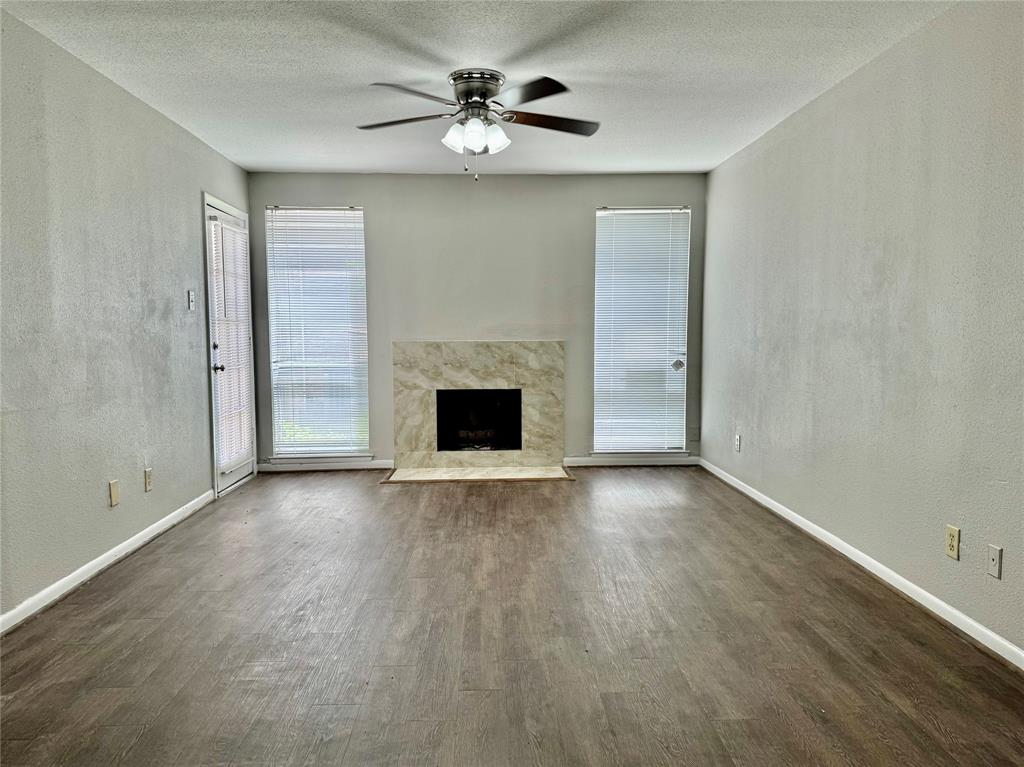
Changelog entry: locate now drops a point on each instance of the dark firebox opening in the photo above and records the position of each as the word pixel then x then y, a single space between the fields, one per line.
pixel 479 419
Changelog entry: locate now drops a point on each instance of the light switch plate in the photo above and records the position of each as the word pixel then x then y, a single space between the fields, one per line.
pixel 738 442
pixel 995 561
pixel 115 493
pixel 147 481
pixel 191 300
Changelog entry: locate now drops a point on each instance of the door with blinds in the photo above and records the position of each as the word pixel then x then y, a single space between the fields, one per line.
pixel 230 336
pixel 640 305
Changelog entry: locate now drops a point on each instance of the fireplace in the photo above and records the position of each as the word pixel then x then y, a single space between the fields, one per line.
pixel 479 419
pixel 430 377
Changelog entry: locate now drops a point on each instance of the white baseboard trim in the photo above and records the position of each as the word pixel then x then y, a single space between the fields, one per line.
pixel 981 634
pixel 324 465
pixel 632 459
pixel 55 591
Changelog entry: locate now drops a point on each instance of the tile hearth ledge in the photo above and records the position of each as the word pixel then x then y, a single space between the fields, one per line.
pixel 478 474
pixel 420 368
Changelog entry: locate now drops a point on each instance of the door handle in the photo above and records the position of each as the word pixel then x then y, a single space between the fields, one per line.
pixel 218 368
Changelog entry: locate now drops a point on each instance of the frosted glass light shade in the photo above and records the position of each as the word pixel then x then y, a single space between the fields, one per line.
pixel 454 138
pixel 496 138
pixel 475 136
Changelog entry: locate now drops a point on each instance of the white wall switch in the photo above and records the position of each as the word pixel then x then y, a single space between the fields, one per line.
pixel 115 493
pixel 995 561
pixel 191 300
pixel 738 442
pixel 952 542
pixel 147 481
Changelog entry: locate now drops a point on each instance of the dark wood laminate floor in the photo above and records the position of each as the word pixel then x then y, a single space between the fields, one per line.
pixel 634 617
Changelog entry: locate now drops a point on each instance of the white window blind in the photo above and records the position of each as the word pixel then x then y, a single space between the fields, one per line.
pixel 640 303
pixel 231 326
pixel 316 281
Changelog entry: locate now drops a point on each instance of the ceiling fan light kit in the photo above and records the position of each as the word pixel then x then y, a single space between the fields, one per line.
pixel 481 105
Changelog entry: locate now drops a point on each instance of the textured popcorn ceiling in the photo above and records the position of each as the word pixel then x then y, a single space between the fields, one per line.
pixel 677 86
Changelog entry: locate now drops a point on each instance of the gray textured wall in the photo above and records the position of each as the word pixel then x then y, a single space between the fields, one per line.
pixel 104 369
pixel 509 257
pixel 864 310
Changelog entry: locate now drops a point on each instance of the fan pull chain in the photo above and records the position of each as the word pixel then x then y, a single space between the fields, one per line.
pixel 476 164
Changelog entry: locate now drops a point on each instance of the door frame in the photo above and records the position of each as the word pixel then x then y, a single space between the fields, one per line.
pixel 209 201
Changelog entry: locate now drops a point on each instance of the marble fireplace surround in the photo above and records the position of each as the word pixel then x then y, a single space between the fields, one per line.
pixel 422 367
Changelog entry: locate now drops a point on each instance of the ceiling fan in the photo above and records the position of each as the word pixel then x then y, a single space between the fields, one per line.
pixel 480 105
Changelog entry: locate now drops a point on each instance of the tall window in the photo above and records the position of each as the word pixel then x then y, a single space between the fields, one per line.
pixel 316 281
pixel 642 266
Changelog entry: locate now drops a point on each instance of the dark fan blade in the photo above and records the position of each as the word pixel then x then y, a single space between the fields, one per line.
pixel 567 124
pixel 389 123
pixel 531 91
pixel 414 92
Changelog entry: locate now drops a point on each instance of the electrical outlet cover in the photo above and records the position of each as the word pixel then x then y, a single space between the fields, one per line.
pixel 952 542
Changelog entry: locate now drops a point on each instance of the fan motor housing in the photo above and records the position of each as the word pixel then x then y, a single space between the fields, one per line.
pixel 475 85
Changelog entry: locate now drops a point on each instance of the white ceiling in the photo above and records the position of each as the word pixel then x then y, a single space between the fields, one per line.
pixel 677 86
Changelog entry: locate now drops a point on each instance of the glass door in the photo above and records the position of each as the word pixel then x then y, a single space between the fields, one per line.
pixel 230 333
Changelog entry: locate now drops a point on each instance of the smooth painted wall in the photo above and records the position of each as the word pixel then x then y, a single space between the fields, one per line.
pixel 104 370
pixel 507 257
pixel 864 311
